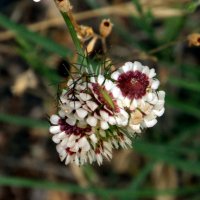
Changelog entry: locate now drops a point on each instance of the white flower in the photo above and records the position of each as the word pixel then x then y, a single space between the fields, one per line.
pixel 134 81
pixel 145 114
pixel 94 116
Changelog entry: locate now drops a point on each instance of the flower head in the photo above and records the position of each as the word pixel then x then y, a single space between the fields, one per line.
pixel 95 115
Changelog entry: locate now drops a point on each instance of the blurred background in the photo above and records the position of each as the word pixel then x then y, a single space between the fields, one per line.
pixel 164 163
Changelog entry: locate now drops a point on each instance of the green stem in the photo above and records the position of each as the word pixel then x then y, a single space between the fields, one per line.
pixel 73 33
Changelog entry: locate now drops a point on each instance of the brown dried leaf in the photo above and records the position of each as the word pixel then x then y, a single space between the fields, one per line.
pixel 23 82
pixel 164 177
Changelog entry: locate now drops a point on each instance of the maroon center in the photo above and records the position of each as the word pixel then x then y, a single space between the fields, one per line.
pixel 73 129
pixel 133 84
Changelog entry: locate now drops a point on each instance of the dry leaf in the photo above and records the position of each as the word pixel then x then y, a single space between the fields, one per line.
pixel 23 82
pixel 164 177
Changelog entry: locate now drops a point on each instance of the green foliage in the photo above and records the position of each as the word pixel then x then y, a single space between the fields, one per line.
pixel 102 192
pixel 23 32
pixel 192 5
pixel 22 121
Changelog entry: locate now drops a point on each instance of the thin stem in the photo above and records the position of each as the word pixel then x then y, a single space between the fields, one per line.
pixel 65 10
pixel 162 47
pixel 73 33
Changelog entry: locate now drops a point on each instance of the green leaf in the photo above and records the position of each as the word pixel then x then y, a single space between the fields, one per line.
pixel 23 121
pixel 185 134
pixel 173 26
pixel 138 6
pixel 183 106
pixel 186 84
pixel 168 155
pixel 23 32
pixel 139 179
pixel 193 5
pixel 118 192
pixel 30 54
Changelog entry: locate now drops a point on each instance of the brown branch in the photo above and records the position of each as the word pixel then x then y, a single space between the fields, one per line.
pixel 124 10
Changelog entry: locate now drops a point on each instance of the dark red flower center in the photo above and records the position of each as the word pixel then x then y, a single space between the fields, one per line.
pixel 73 129
pixel 133 84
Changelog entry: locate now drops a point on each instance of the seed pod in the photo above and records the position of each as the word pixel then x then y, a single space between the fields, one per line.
pixel 105 28
pixel 194 39
pixel 85 33
pixel 63 5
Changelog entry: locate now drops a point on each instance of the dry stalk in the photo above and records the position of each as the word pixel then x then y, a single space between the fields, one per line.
pixel 124 10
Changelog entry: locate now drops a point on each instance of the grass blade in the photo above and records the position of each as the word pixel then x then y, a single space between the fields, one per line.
pixel 70 188
pixel 22 121
pixel 182 106
pixel 23 32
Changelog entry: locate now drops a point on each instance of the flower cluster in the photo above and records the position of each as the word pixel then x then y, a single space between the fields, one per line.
pixel 100 113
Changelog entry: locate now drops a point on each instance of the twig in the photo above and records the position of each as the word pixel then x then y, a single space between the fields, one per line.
pixel 165 46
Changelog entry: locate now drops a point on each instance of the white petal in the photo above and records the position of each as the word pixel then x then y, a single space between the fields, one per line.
pixel 112 120
pixel 107 145
pixel 150 96
pixel 92 105
pixel 75 104
pixel 93 138
pixel 62 155
pixel 91 158
pixel 137 66
pixel 81 113
pixel 116 92
pixel 75 148
pixel 77 160
pixel 61 113
pixel 59 148
pixel 100 79
pixel 130 65
pixel 71 141
pixel 134 104
pixel 92 80
pixel 68 160
pixel 99 159
pixel 64 142
pixel 108 85
pixel 85 97
pixel 159 112
pixel 56 139
pixel 126 102
pixel 161 95
pixel 104 115
pixel 146 70
pixel 54 129
pixel 84 144
pixel 54 119
pixel 81 86
pixel 135 127
pixel 71 121
pixel 115 75
pixel 104 125
pixel 155 84
pixel 82 123
pixel 152 73
pixel 92 121
pixel 70 82
pixel 150 123
pixel 61 135
pixel 126 67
